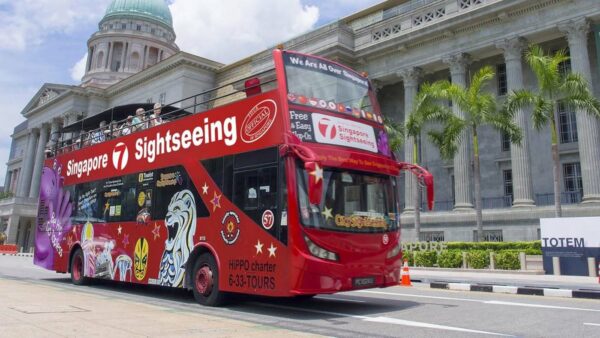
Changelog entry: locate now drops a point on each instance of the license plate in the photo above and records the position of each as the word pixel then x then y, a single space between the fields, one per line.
pixel 363 282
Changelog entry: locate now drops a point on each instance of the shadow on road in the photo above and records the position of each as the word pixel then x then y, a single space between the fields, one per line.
pixel 322 307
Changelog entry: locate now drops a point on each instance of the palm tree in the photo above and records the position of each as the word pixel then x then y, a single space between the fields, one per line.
pixel 425 108
pixel 553 87
pixel 479 109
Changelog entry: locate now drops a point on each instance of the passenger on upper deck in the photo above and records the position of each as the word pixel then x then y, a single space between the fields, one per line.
pixel 155 118
pixel 139 121
pixel 126 127
pixel 98 134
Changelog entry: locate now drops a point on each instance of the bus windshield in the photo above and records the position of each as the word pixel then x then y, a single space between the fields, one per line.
pixel 326 85
pixel 352 202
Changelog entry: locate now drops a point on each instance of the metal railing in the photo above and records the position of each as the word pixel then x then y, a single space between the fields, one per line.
pixel 196 103
pixel 567 197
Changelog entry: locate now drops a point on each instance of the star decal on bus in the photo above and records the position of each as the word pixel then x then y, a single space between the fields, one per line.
pixel 259 247
pixel 216 201
pixel 317 173
pixel 327 213
pixel 204 189
pixel 156 231
pixel 272 250
pixel 119 229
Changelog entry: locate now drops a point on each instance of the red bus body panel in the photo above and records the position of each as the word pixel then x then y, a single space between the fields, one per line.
pixel 254 261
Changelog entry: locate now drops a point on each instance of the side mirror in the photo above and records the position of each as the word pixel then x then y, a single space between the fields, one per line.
pixel 424 177
pixel 315 182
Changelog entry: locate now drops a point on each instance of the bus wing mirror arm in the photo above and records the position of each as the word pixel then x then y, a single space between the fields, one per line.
pixel 312 167
pixel 423 176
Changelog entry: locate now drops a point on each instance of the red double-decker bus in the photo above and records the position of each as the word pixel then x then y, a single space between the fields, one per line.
pixel 289 191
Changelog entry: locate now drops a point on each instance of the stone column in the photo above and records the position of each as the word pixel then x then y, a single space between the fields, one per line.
pixel 29 159
pixel 40 156
pixel 54 129
pixel 463 190
pixel 14 180
pixel 111 47
pixel 588 127
pixel 519 154
pixel 12 228
pixel 411 85
pixel 7 180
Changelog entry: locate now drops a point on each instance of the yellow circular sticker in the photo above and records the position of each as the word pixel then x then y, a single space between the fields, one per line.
pixel 140 258
pixel 141 199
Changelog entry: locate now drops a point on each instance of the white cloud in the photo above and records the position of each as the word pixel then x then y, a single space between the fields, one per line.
pixel 28 22
pixel 227 30
pixel 78 70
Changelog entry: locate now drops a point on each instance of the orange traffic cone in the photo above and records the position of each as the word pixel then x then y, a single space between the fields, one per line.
pixel 405 281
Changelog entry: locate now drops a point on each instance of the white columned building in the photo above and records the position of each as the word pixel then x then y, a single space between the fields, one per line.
pixel 133 59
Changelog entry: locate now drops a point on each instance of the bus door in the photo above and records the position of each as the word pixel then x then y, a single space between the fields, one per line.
pixel 257 190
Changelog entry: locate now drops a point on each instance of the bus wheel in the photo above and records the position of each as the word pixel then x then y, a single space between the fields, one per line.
pixel 77 275
pixel 206 281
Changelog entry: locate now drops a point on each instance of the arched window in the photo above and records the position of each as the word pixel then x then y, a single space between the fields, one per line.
pixel 99 59
pixel 134 61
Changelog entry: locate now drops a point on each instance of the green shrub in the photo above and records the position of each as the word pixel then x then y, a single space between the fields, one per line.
pixel 535 247
pixel 408 255
pixel 450 259
pixel 478 259
pixel 425 258
pixel 508 260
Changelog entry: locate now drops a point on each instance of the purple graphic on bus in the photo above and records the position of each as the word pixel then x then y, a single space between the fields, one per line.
pixel 54 212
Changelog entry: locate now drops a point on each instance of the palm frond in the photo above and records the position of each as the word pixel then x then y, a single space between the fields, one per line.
pixel 542 113
pixel 478 80
pixel 396 133
pixel 545 68
pixel 449 137
pixel 517 100
pixel 505 124
pixel 587 103
pixel 574 84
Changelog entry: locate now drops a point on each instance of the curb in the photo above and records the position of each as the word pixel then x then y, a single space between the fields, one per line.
pixel 517 290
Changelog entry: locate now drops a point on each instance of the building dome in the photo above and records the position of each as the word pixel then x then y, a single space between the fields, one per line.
pixel 153 10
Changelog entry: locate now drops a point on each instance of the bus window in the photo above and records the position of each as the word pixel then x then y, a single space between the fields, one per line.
pixel 88 208
pixel 111 199
pixel 170 185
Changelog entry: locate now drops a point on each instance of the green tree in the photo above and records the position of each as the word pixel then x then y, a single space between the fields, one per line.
pixel 479 109
pixel 426 107
pixel 553 88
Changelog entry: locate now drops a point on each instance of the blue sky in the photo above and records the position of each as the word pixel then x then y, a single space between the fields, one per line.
pixel 42 40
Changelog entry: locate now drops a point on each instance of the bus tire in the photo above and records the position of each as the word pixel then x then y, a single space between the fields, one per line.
pixel 205 281
pixel 77 265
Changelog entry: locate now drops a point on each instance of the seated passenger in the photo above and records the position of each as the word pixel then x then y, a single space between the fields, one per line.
pixel 98 134
pixel 126 127
pixel 139 120
pixel 155 118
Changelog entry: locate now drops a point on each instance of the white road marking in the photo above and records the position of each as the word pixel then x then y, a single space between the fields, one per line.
pixel 496 302
pixel 492 302
pixel 387 320
pixel 591 324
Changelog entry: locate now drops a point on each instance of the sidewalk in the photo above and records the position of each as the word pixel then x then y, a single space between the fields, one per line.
pixel 508 282
pixel 34 310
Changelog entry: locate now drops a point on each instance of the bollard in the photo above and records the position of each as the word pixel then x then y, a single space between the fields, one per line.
pixel 592 266
pixel 523 261
pixel 556 265
pixel 492 260
pixel 464 255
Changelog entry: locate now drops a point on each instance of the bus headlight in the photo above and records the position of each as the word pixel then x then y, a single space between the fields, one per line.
pixel 395 251
pixel 317 251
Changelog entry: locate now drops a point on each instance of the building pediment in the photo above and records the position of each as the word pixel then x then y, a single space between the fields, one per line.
pixel 48 93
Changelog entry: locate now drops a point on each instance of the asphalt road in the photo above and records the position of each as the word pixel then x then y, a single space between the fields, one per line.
pixel 391 312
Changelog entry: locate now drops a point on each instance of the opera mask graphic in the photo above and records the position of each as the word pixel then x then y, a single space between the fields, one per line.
pixel 140 258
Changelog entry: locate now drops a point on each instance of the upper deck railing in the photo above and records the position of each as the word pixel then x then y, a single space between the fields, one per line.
pixel 234 91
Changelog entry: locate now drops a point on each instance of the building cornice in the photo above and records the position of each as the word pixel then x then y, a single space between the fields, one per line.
pixel 171 63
